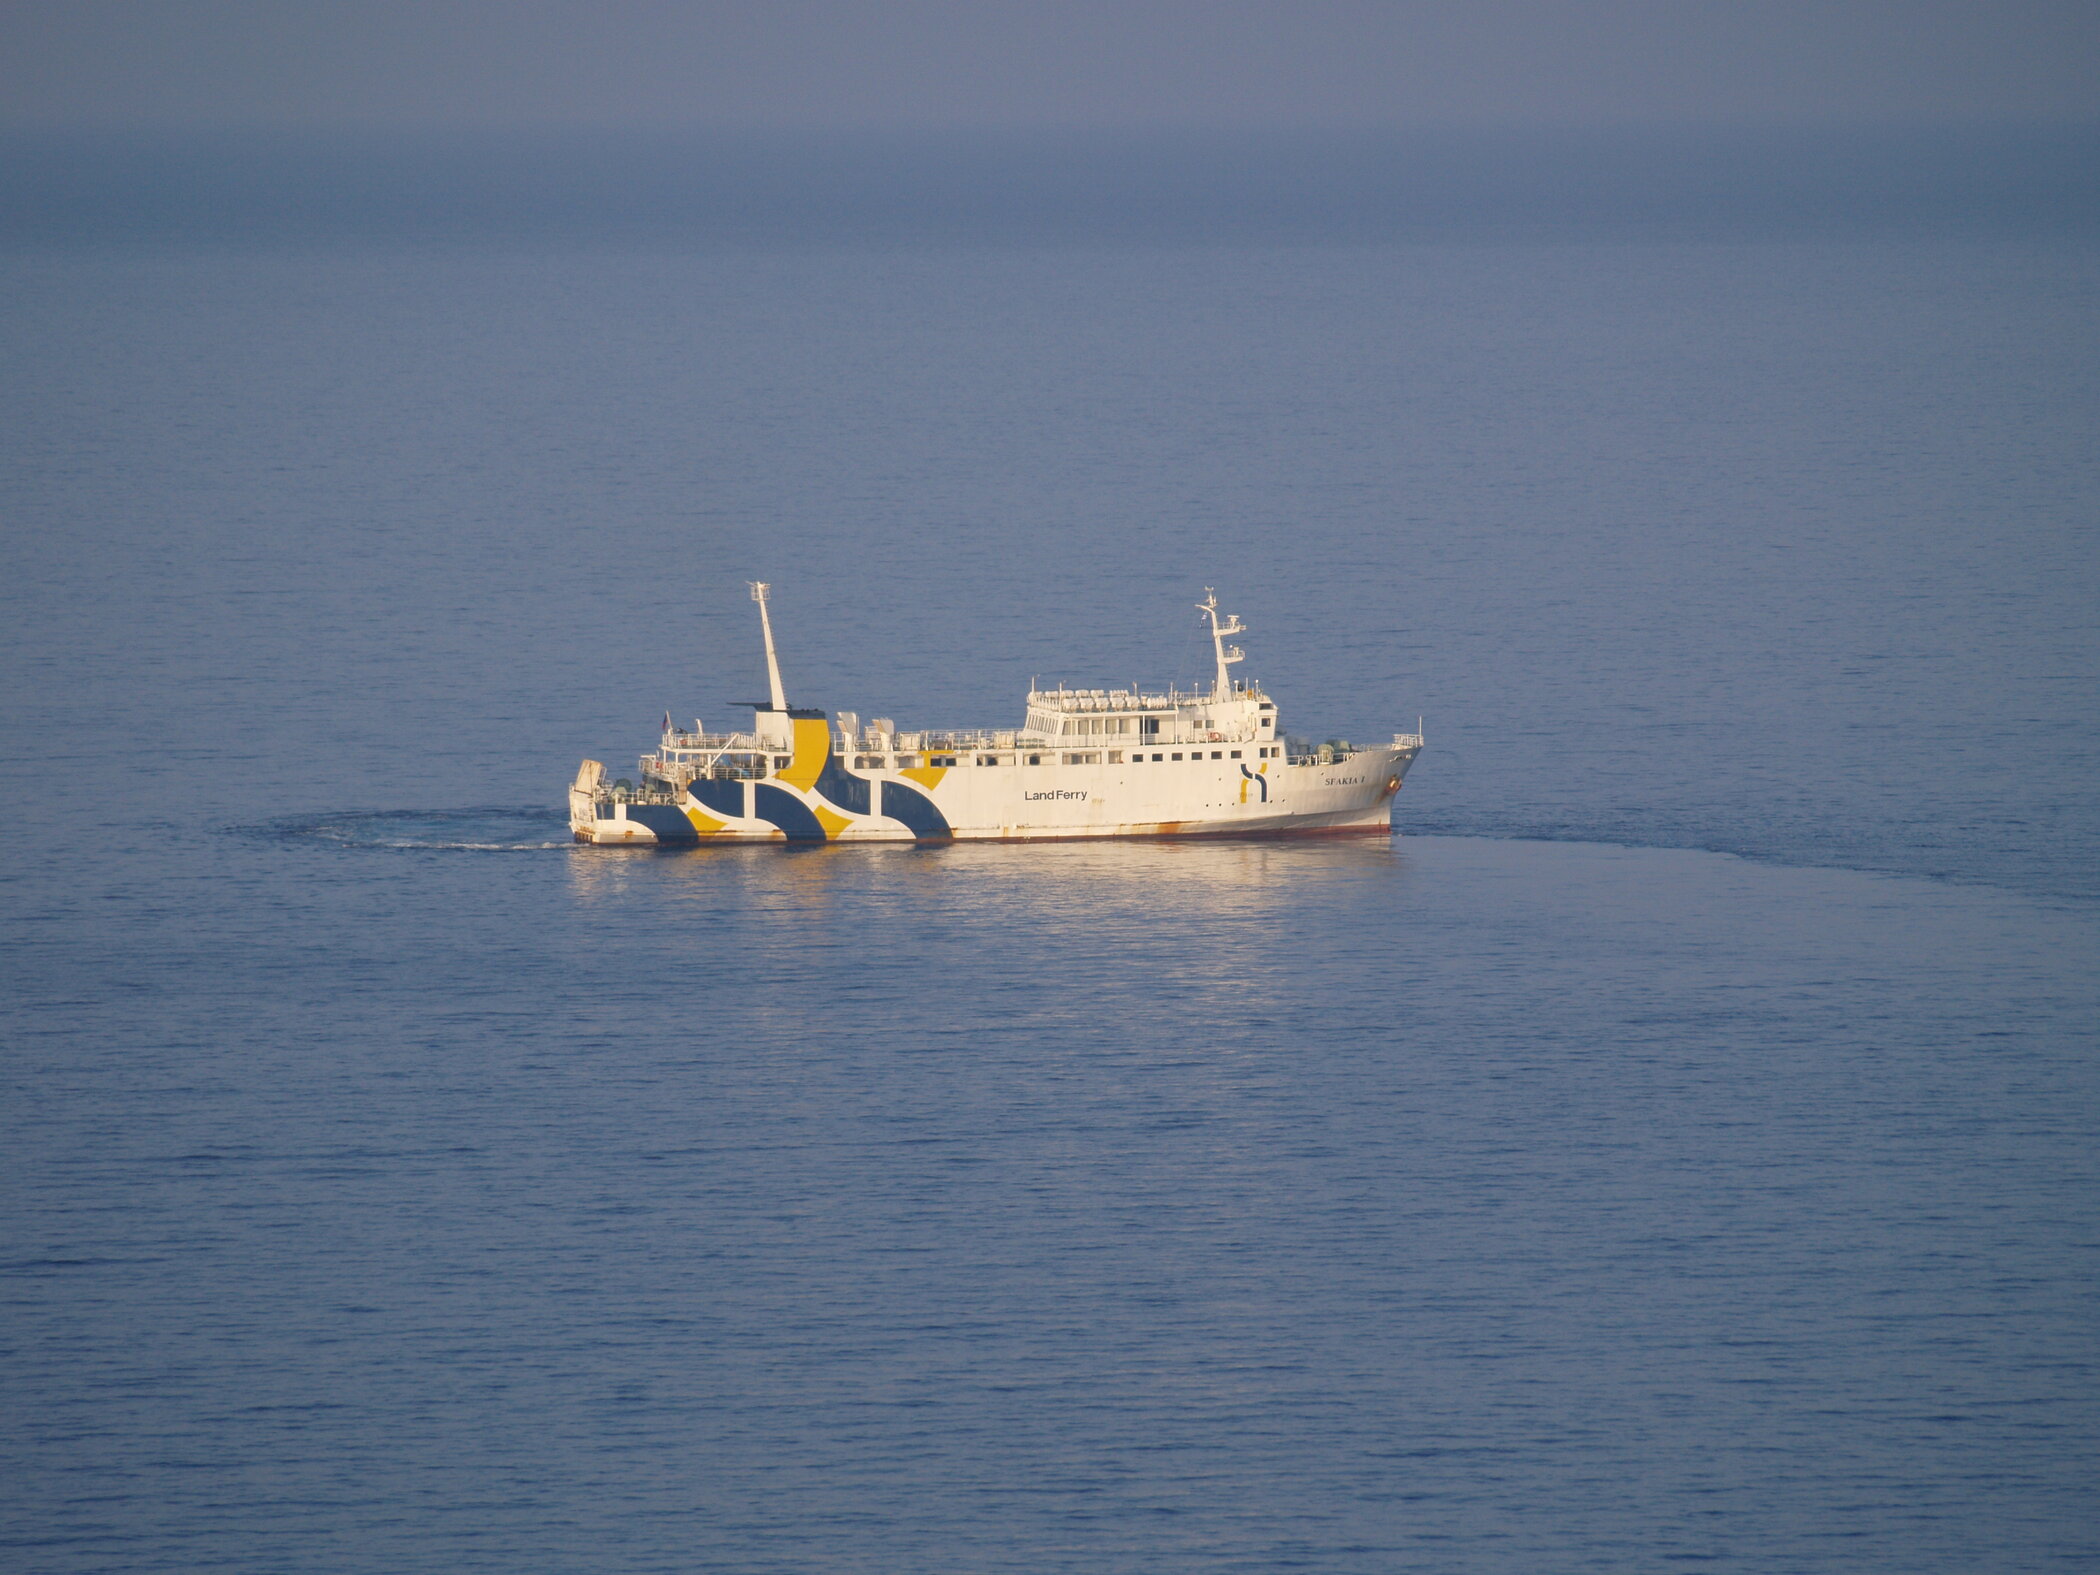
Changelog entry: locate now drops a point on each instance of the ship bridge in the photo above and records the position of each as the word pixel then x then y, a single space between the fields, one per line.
pixel 1111 717
pixel 1229 711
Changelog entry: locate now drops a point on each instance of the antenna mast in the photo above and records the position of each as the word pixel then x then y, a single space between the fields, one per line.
pixel 759 591
pixel 1227 654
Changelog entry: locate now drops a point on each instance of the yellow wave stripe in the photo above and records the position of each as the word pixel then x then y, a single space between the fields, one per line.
pixel 832 824
pixel 706 825
pixel 812 749
pixel 928 777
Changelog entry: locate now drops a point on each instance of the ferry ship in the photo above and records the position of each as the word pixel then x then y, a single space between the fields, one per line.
pixel 1084 763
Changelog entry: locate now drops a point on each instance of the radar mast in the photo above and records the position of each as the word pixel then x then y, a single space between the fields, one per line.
pixel 1227 654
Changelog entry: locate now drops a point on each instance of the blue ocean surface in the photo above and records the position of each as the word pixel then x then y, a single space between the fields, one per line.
pixel 1675 1149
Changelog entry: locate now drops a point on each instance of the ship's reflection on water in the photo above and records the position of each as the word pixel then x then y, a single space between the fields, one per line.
pixel 1123 939
pixel 1228 892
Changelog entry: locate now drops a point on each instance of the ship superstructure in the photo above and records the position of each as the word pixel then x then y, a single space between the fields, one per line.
pixel 1084 763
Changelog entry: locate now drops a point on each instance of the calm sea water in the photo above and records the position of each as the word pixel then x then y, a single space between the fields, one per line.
pixel 1678 1149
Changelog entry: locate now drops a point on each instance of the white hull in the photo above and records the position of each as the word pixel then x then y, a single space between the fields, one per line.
pixel 1016 803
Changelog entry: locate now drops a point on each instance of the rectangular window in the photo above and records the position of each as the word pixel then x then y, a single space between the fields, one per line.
pixel 1115 757
pixel 1235 754
pixel 1035 760
pixel 1155 757
pixel 1177 757
pixel 1083 760
pixel 1217 754
pixel 782 762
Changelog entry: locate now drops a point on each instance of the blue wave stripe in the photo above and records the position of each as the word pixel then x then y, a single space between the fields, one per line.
pixel 901 801
pixel 786 811
pixel 723 798
pixel 669 824
pixel 844 789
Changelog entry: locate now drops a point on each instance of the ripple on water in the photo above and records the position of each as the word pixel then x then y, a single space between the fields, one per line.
pixel 484 830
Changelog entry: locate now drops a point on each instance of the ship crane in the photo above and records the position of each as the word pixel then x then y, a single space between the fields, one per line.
pixel 772 723
pixel 760 591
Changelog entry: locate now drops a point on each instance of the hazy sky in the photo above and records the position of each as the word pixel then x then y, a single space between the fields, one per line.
pixel 900 64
